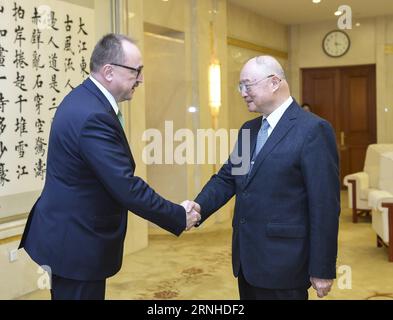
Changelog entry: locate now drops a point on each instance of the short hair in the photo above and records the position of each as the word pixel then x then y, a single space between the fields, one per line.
pixel 271 65
pixel 108 50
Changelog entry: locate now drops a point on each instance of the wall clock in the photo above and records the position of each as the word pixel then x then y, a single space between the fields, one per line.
pixel 336 43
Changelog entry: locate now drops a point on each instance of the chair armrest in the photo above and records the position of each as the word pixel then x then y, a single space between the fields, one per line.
pixel 361 178
pixel 377 197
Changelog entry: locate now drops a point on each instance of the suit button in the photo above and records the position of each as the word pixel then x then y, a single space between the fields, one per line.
pixel 242 221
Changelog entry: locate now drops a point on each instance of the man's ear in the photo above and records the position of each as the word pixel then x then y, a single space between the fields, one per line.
pixel 107 72
pixel 275 83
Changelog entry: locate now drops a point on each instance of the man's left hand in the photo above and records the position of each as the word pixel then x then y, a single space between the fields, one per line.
pixel 321 286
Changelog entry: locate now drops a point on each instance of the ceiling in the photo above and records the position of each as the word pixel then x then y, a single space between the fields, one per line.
pixel 305 11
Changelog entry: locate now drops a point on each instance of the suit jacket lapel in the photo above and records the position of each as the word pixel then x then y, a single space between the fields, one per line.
pixel 97 92
pixel 283 126
pixel 254 128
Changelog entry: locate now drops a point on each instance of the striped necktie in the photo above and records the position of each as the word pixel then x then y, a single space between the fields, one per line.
pixel 261 139
pixel 121 119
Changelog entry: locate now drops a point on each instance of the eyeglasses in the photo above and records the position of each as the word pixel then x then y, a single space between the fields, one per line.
pixel 247 86
pixel 137 70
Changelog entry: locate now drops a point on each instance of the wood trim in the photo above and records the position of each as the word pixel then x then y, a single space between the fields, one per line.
pixel 389 206
pixel 10 239
pixel 252 46
pixel 354 208
pixel 389 49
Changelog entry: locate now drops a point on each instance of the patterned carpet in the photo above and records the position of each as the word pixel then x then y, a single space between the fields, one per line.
pixel 198 266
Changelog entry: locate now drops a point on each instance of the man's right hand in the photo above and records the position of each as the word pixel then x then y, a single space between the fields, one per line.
pixel 192 213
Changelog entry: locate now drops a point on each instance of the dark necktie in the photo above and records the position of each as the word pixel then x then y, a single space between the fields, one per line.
pixel 121 119
pixel 261 140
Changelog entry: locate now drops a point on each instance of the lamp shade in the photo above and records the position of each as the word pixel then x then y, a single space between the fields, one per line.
pixel 215 87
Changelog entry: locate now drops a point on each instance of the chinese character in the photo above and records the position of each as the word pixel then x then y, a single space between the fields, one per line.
pixel 21 171
pixel 53 83
pixel 20 148
pixel 3 78
pixel 40 169
pixel 37 99
pixel 53 21
pixel 69 84
pixel 69 64
pixel 3 149
pixel 54 44
pixel 54 104
pixel 39 124
pixel 3 33
pixel 19 36
pixel 21 126
pixel 18 12
pixel 36 37
pixel 2 125
pixel 38 82
pixel 36 61
pixel 3 102
pixel 83 66
pixel 53 61
pixel 36 17
pixel 3 174
pixel 81 24
pixel 67 45
pixel 20 59
pixel 1 9
pixel 68 23
pixel 20 81
pixel 2 56
pixel 82 46
pixel 20 101
pixel 39 146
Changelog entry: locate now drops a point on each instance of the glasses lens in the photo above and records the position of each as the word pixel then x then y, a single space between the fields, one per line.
pixel 139 71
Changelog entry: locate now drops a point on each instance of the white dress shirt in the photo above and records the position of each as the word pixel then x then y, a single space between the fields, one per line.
pixel 276 115
pixel 107 94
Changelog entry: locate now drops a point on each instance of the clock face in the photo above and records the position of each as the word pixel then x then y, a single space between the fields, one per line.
pixel 336 43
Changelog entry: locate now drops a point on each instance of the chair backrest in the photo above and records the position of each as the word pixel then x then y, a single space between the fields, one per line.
pixel 386 172
pixel 372 162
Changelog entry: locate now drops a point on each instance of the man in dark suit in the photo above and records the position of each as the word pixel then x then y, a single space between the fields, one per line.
pixel 78 225
pixel 286 218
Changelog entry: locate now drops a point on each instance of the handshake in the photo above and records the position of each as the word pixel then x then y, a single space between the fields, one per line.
pixel 193 215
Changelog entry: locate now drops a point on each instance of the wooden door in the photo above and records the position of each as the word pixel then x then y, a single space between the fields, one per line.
pixel 345 96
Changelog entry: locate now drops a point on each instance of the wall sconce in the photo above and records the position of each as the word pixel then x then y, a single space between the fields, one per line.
pixel 215 88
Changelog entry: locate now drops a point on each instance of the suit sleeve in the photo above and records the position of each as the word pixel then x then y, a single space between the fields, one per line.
pixel 103 149
pixel 320 169
pixel 219 189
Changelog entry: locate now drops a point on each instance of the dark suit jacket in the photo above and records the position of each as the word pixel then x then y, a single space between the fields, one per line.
pixel 285 223
pixel 77 226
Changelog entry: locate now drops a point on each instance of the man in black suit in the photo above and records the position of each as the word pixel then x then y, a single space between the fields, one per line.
pixel 78 225
pixel 286 218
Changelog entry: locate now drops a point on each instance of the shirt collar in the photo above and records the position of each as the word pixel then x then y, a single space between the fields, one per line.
pixel 276 115
pixel 106 93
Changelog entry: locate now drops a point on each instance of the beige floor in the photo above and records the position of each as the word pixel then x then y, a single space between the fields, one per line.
pixel 198 266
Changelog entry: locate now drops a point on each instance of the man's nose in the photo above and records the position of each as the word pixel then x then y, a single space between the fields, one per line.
pixel 244 93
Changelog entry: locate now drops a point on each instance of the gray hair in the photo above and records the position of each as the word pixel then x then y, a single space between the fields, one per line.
pixel 108 50
pixel 271 65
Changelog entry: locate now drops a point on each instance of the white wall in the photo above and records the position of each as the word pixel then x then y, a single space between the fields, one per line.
pixel 367 47
pixel 247 26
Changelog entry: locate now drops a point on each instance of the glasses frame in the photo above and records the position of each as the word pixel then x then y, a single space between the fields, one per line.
pixel 137 70
pixel 247 86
